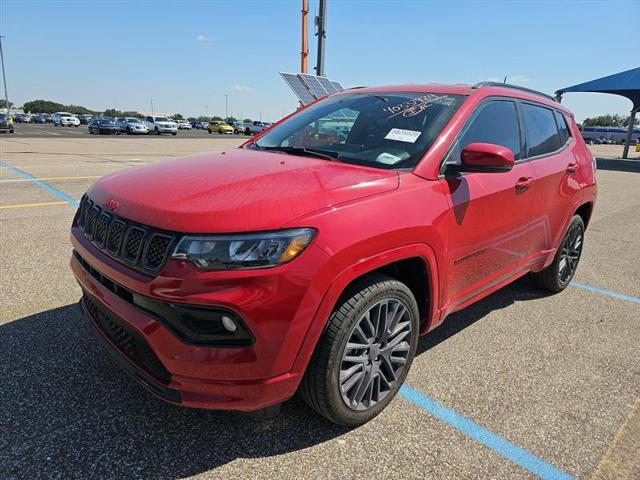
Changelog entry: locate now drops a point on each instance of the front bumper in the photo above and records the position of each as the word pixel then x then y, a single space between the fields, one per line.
pixel 277 305
pixel 108 131
pixel 166 129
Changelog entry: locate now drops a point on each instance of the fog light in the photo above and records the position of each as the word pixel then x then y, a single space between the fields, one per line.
pixel 229 324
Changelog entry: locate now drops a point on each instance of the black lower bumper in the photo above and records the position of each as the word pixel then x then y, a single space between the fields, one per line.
pixel 125 364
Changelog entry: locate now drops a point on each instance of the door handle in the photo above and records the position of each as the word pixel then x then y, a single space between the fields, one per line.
pixel 572 168
pixel 523 184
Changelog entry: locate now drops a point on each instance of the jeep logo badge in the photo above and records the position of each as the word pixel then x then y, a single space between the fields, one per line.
pixel 112 204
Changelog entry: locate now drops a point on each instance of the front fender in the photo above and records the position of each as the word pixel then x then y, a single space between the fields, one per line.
pixel 348 275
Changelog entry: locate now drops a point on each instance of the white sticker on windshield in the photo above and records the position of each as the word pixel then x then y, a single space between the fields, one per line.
pixel 407 136
pixel 387 158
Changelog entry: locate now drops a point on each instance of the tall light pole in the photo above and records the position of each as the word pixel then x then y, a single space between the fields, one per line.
pixel 321 25
pixel 151 107
pixel 4 78
pixel 305 49
pixel 226 107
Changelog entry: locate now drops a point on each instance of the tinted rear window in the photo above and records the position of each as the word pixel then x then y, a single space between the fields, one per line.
pixel 563 128
pixel 540 128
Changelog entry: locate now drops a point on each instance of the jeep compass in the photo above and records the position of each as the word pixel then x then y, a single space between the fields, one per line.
pixel 312 257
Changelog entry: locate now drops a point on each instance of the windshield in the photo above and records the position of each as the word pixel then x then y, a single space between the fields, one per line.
pixel 384 130
pixel 133 120
pixel 162 119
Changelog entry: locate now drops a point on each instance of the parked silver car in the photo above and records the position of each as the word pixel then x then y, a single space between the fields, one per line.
pixel 133 126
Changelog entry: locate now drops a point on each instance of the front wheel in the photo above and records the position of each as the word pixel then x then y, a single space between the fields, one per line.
pixel 557 276
pixel 365 353
pixel 157 132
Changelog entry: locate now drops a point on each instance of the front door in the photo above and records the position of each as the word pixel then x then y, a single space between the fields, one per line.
pixel 489 212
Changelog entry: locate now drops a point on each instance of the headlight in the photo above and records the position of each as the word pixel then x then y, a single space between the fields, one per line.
pixel 253 250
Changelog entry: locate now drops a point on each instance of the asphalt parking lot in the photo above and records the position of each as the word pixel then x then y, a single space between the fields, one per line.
pixel 519 385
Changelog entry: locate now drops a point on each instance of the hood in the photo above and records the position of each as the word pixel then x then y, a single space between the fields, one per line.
pixel 236 191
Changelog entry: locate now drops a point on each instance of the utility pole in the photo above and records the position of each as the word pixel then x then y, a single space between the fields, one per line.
pixel 304 53
pixel 4 78
pixel 321 25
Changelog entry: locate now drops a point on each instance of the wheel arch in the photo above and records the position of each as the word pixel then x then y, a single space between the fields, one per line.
pixel 409 264
pixel 585 210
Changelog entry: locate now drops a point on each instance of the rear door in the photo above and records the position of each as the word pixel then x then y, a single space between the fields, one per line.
pixel 550 153
pixel 489 212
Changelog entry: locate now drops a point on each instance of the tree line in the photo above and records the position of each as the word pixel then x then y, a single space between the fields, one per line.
pixel 610 120
pixel 47 106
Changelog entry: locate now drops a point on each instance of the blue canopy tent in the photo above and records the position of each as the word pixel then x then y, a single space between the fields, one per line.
pixel 626 84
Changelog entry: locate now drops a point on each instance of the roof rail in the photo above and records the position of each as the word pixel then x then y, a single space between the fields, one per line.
pixel 516 87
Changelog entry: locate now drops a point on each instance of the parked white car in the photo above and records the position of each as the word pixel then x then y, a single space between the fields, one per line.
pixel 159 125
pixel 183 125
pixel 65 119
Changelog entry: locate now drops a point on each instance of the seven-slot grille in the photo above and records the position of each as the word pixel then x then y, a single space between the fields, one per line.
pixel 138 246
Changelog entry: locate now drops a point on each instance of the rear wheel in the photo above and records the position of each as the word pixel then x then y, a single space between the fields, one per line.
pixel 558 275
pixel 365 353
pixel 157 132
pixel 247 132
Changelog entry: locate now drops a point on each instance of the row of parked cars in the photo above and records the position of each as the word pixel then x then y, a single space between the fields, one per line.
pixel 159 125
pixel 150 124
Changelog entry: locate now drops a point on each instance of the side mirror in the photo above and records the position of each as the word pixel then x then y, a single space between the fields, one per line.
pixel 487 158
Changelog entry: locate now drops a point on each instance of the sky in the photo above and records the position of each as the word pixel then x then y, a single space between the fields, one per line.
pixel 188 55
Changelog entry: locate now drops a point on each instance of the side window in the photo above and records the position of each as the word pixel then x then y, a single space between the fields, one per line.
pixel 496 122
pixel 563 128
pixel 540 129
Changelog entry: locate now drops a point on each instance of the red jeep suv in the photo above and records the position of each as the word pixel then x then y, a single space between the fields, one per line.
pixel 311 258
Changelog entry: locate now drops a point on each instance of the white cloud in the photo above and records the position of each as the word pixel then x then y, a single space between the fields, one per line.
pixel 518 79
pixel 204 40
pixel 240 88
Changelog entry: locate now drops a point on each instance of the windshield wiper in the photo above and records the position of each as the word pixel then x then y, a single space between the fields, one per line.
pixel 303 151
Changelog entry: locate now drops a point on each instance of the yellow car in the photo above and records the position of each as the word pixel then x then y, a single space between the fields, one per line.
pixel 220 127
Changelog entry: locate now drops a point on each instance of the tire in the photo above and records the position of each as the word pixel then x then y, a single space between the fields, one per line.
pixel 209 130
pixel 156 131
pixel 174 133
pixel 321 387
pixel 557 276
pixel 247 132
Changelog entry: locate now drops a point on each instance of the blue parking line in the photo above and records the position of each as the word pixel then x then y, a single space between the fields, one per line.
pixel 493 441
pixel 53 191
pixel 608 293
